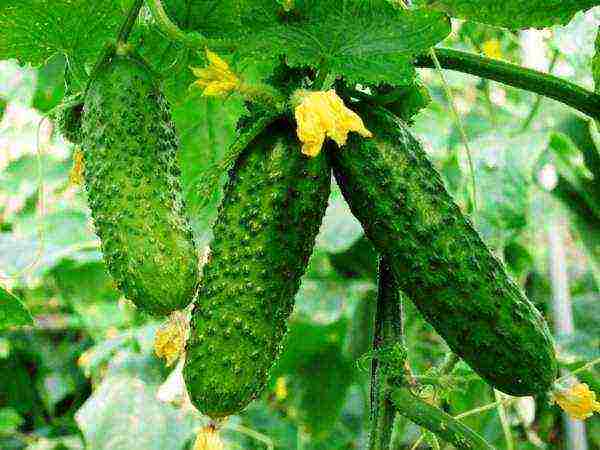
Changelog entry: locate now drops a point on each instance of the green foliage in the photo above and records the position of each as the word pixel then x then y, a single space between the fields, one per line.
pixel 40 29
pixel 91 351
pixel 212 18
pixel 578 188
pixel 368 42
pixel 318 374
pixel 515 14
pixel 50 86
pixel 117 416
pixel 12 311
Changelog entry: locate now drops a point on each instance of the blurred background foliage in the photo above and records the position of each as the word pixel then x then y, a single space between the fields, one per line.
pixel 85 376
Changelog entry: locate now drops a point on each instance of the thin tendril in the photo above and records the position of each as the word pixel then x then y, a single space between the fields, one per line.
pixel 459 123
pixel 41 210
pixel 253 434
pixel 461 128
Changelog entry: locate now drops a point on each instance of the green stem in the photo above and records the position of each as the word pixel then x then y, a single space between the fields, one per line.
pixel 437 421
pixel 170 29
pixel 538 101
pixel 127 26
pixel 520 77
pixel 193 39
pixel 388 332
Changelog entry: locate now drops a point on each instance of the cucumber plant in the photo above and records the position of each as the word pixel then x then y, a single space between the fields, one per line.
pixel 275 197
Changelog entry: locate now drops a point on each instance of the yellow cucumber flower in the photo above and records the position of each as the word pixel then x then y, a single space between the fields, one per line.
pixel 208 439
pixel 76 173
pixel 171 337
pixel 492 48
pixel 578 401
pixel 323 114
pixel 217 79
pixel 281 391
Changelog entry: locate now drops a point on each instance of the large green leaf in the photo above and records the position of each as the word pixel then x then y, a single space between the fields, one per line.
pixel 34 30
pixel 365 41
pixel 124 414
pixel 515 14
pixel 12 311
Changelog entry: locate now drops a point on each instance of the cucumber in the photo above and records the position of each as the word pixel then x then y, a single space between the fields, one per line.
pixel 69 123
pixel 264 234
pixel 132 180
pixel 439 260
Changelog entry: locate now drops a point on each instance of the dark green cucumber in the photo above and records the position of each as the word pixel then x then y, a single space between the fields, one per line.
pixel 265 231
pixel 132 179
pixel 439 259
pixel 69 123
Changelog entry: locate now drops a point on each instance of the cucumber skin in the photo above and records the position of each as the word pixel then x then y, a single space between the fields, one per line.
pixel 132 180
pixel 439 259
pixel 264 234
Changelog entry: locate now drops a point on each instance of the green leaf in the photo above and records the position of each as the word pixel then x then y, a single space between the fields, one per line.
pixel 10 420
pixel 13 312
pixel 515 14
pixel 50 86
pixel 319 374
pixel 124 414
pixel 35 30
pixel 340 229
pixel 364 41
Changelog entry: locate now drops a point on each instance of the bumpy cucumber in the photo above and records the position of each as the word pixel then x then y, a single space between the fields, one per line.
pixel 440 260
pixel 132 179
pixel 265 231
pixel 69 123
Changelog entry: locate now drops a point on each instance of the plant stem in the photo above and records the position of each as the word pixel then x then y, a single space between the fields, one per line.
pixel 193 39
pixel 538 101
pixel 127 26
pixel 168 27
pixel 520 77
pixel 388 332
pixel 437 421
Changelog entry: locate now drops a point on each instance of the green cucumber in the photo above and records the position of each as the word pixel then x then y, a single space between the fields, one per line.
pixel 264 234
pixel 132 180
pixel 69 122
pixel 438 258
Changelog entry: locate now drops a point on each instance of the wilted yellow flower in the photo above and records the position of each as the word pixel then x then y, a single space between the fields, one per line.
pixel 281 391
pixel 323 114
pixel 217 79
pixel 76 174
pixel 170 339
pixel 578 401
pixel 84 359
pixel 492 48
pixel 208 439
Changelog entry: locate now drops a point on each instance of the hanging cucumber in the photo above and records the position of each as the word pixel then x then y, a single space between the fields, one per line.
pixel 265 231
pixel 132 179
pixel 440 260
